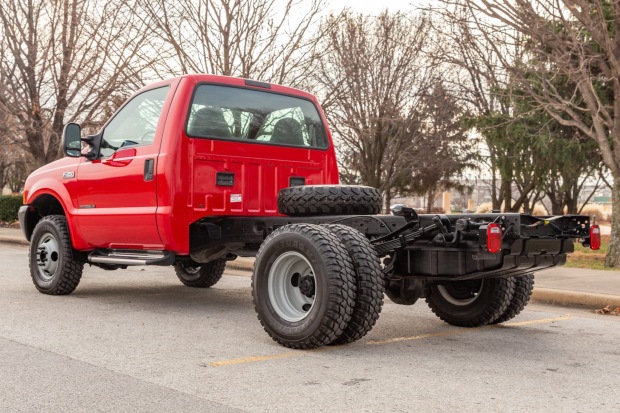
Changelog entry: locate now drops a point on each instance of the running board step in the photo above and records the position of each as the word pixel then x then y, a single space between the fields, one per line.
pixel 131 257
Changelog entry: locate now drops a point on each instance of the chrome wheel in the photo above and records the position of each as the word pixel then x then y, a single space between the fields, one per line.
pixel 461 293
pixel 48 256
pixel 292 286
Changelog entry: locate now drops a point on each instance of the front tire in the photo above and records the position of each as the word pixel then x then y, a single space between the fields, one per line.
pixel 193 274
pixel 471 303
pixel 54 267
pixel 303 286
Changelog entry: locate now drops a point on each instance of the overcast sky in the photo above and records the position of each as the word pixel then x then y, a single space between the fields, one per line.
pixel 375 6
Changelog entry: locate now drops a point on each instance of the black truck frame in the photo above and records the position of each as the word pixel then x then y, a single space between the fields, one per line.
pixel 425 247
pixel 472 269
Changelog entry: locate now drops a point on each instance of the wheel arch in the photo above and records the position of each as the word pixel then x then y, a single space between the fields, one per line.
pixel 44 202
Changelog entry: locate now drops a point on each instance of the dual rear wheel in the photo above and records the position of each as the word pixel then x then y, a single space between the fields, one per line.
pixel 317 285
pixel 475 303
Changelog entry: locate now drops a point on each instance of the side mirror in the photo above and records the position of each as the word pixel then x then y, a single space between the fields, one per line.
pixel 72 140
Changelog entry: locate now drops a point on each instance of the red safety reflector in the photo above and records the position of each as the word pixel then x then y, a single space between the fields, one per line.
pixel 494 238
pixel 595 237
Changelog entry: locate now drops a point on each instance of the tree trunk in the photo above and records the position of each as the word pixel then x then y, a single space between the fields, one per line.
pixel 495 202
pixel 430 201
pixel 507 191
pixel 613 255
pixel 556 205
pixel 388 201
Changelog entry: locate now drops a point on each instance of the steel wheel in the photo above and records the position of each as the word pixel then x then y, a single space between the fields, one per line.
pixel 303 286
pixel 54 267
pixel 194 274
pixel 292 286
pixel 47 256
pixel 471 303
pixel 191 272
pixel 461 293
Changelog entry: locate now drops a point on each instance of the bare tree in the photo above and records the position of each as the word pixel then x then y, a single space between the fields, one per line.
pixel 372 78
pixel 62 60
pixel 9 154
pixel 483 85
pixel 269 40
pixel 442 150
pixel 578 40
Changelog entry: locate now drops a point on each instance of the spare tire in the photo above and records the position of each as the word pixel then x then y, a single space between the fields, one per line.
pixel 329 200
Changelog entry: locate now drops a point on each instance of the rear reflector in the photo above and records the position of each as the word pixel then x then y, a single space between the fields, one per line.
pixel 494 238
pixel 595 237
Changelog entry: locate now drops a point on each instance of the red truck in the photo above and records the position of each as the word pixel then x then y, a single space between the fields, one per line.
pixel 199 170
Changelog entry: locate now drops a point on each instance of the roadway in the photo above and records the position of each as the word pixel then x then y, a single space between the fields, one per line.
pixel 137 340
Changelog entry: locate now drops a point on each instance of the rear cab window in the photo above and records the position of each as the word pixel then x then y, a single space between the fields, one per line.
pixel 252 116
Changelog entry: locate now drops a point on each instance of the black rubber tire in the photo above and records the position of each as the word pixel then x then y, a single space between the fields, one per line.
pixel 68 271
pixel 369 280
pixel 334 276
pixel 524 286
pixel 491 301
pixel 329 200
pixel 193 274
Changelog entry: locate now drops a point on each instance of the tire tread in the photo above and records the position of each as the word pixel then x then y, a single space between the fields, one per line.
pixel 524 286
pixel 71 273
pixel 369 279
pixel 501 296
pixel 329 200
pixel 341 280
pixel 210 274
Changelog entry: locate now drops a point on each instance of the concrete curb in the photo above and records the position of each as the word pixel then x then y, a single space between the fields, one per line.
pixel 574 298
pixel 5 239
pixel 240 266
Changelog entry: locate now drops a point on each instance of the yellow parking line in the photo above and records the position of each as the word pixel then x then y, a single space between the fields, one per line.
pixel 461 331
pixel 389 341
pixel 252 359
pixel 420 336
pixel 541 321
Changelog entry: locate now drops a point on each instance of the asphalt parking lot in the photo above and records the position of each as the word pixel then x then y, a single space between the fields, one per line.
pixel 138 340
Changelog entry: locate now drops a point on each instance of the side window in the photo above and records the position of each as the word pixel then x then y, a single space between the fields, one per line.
pixel 220 112
pixel 136 122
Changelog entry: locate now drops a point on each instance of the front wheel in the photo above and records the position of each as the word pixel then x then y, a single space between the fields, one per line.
pixel 194 274
pixel 471 303
pixel 54 268
pixel 303 286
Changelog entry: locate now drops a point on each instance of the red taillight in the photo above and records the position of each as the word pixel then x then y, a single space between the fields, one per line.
pixel 595 237
pixel 494 238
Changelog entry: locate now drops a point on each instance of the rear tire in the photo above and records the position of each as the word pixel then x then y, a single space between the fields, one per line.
pixel 303 286
pixel 369 280
pixel 471 303
pixel 193 274
pixel 524 286
pixel 329 200
pixel 54 266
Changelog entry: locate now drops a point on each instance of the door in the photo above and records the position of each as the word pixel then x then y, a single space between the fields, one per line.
pixel 117 192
